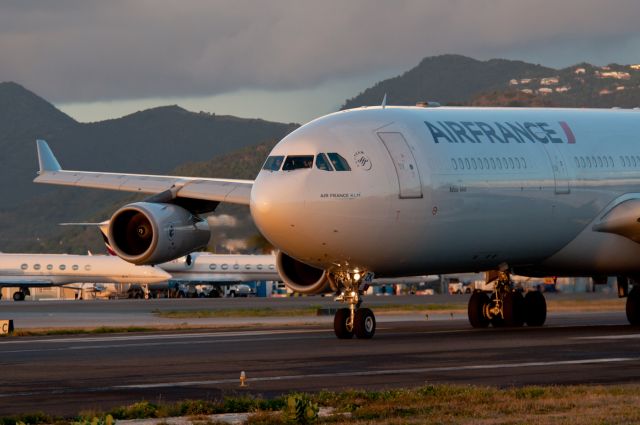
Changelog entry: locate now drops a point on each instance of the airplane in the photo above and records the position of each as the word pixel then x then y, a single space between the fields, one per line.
pixel 26 271
pixel 399 190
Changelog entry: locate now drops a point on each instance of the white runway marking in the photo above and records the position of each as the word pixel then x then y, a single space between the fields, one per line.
pixel 81 339
pixel 383 372
pixel 609 337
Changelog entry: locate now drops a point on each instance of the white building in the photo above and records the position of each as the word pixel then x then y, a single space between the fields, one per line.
pixel 545 90
pixel 549 81
pixel 619 75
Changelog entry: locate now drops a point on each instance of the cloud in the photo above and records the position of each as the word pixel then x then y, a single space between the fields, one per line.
pixel 222 220
pixel 87 51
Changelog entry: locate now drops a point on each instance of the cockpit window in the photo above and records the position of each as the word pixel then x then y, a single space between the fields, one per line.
pixel 322 163
pixel 293 162
pixel 338 162
pixel 273 163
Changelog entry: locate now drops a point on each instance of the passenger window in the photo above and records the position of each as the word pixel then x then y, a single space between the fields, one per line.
pixel 295 162
pixel 87 267
pixel 322 163
pixel 49 266
pixel 513 167
pixel 224 267
pixel 36 266
pixel 259 267
pixel 75 267
pixel 486 163
pixel 575 158
pixel 582 163
pixel 236 266
pixel 633 160
pixel 622 160
pixel 588 162
pixel 273 163
pixel 480 165
pixel 505 165
pixel 24 267
pixel 493 164
pixel 272 267
pixel 599 161
pixel 524 163
pixel 454 164
pixel 62 267
pixel 338 162
pixel 460 164
pixel 499 164
pixel 473 163
pixel 611 163
pixel 466 162
pixel 212 267
pixel 247 266
pixel 517 161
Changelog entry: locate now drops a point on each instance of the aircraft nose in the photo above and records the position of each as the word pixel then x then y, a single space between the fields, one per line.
pixel 277 207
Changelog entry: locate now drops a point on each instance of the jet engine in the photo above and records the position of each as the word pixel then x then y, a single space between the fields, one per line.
pixel 152 233
pixel 303 278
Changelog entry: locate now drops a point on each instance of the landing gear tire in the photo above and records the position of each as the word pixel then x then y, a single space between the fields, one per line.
pixel 513 309
pixel 475 310
pixel 535 308
pixel 364 326
pixel 18 296
pixel 341 324
pixel 633 306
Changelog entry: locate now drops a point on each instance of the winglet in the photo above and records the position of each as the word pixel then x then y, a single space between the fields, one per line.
pixel 46 159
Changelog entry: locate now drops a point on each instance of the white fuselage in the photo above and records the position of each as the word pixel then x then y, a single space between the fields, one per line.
pixel 222 268
pixel 441 190
pixel 33 270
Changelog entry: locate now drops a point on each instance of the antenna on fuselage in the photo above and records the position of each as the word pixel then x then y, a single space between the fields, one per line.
pixel 384 101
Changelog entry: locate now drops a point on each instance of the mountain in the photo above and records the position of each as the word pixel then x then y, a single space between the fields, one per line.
pixel 577 86
pixel 152 141
pixel 448 79
pixel 459 80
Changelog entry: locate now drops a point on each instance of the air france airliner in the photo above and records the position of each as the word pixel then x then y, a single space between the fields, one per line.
pixel 395 191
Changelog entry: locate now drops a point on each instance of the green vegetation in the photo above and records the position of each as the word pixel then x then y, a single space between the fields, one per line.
pixel 430 404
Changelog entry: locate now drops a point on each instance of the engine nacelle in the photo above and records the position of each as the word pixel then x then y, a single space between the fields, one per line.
pixel 152 233
pixel 302 278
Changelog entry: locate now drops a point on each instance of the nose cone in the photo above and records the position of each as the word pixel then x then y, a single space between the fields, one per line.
pixel 278 207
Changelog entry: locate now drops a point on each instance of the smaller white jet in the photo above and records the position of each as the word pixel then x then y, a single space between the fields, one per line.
pixel 26 271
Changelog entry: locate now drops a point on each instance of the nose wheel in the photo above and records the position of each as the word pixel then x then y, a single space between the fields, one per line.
pixel 353 320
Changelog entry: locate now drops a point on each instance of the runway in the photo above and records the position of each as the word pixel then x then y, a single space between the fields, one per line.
pixel 63 375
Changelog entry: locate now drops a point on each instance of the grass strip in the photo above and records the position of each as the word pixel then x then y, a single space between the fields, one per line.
pixel 430 404
pixel 461 307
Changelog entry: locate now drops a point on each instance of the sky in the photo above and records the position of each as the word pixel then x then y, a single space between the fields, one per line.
pixel 282 60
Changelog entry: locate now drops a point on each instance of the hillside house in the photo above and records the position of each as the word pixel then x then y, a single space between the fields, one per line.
pixel 549 81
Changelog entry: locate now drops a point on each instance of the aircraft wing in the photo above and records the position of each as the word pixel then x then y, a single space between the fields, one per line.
pixel 623 219
pixel 220 190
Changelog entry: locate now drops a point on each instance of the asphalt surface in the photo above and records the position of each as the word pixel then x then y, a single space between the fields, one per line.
pixel 66 374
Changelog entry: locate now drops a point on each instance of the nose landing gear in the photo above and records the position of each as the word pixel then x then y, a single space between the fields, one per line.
pixel 506 307
pixel 353 320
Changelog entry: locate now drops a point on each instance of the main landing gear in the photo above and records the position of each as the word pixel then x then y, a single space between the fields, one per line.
pixel 21 294
pixel 353 320
pixel 506 307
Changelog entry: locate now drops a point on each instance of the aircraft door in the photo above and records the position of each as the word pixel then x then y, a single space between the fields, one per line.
pixel 559 167
pixel 410 184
